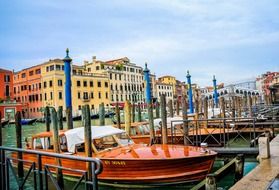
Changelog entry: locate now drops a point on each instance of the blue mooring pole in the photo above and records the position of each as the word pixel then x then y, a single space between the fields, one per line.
pixel 190 94
pixel 149 103
pixel 147 81
pixel 215 92
pixel 68 89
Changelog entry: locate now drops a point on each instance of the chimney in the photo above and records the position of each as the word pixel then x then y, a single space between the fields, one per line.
pixel 94 59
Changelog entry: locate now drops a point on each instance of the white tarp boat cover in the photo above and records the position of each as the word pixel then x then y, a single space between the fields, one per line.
pixel 170 120
pixel 76 136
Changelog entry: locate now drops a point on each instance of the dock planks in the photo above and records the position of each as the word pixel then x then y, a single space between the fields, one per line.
pixel 264 173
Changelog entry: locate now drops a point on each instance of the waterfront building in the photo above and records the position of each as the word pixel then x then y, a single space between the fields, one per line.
pixel 27 91
pixel 126 79
pixel 163 88
pixel 264 83
pixel 168 80
pixel 6 84
pixel 87 87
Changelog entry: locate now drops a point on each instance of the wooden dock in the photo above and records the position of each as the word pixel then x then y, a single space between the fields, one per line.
pixel 264 173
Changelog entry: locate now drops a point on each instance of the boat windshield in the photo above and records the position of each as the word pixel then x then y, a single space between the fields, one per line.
pixel 111 141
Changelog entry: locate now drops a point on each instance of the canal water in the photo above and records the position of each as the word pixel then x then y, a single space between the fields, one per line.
pixel 9 139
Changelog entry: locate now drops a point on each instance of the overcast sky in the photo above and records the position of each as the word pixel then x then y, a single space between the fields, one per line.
pixel 232 39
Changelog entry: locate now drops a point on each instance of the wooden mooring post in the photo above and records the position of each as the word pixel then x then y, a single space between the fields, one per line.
pixel 133 110
pixel 118 118
pixel 127 109
pixel 56 147
pixel 1 132
pixel 239 167
pixel 185 120
pixel 69 118
pixel 164 119
pixel 139 112
pixel 205 110
pixel 250 106
pixel 223 108
pixel 102 114
pixel 233 106
pixel 157 111
pixel 60 117
pixel 47 118
pixel 19 143
pixel 87 137
pixel 177 107
pixel 170 106
pixel 210 182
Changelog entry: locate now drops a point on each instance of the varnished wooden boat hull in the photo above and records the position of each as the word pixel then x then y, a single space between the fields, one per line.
pixel 149 171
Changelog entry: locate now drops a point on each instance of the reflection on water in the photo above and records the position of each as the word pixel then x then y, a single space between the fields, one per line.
pixel 9 139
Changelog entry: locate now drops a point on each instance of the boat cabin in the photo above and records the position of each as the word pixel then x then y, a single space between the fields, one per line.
pixel 72 141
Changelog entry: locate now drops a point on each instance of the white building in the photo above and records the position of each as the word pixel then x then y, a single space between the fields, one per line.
pixel 126 79
pixel 167 89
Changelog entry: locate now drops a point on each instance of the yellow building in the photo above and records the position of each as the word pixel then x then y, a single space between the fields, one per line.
pixel 169 80
pixel 87 87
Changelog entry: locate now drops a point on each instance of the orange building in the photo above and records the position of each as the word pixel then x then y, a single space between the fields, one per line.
pixel 27 90
pixel 6 84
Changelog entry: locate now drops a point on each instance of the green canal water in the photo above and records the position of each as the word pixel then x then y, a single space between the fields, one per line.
pixel 9 139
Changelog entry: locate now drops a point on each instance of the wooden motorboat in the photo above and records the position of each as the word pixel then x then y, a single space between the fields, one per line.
pixel 126 162
pixel 28 121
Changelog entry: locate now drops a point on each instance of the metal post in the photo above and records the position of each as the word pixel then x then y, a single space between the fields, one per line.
pixel 60 117
pixel 215 92
pixel 190 94
pixel 164 119
pixel 149 103
pixel 102 114
pixel 19 143
pixel 68 89
pixel 56 147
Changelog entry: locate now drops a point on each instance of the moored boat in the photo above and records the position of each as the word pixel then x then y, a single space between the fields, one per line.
pixel 4 123
pixel 28 121
pixel 126 162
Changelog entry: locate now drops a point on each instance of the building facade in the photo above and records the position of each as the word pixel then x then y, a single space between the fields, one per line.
pixel 167 89
pixel 87 88
pixel 126 79
pixel 6 83
pixel 27 91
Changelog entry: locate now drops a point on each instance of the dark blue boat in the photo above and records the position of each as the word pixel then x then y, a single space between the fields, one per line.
pixel 28 121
